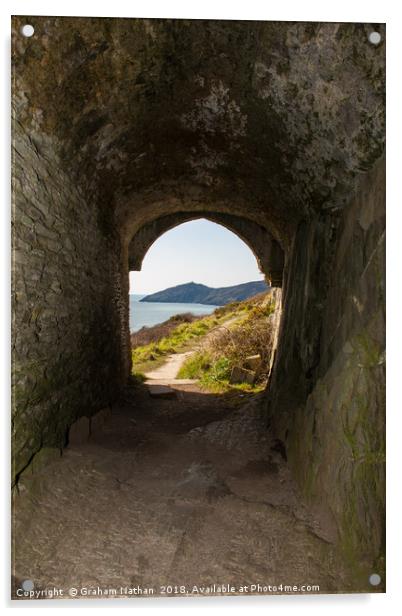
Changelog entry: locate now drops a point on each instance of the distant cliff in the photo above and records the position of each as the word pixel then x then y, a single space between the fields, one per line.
pixel 192 293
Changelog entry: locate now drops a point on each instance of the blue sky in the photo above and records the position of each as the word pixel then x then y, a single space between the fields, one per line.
pixel 197 251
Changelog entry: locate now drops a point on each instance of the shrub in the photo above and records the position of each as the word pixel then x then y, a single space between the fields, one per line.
pixel 250 334
pixel 146 335
pixel 253 336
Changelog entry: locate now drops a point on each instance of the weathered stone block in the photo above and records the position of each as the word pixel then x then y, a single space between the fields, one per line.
pixel 161 391
pixel 79 431
pixel 97 421
pixel 252 362
pixel 242 375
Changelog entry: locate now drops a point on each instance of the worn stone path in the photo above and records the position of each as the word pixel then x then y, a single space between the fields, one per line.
pixel 171 493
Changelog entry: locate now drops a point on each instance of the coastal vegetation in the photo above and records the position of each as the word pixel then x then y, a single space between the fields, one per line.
pixel 217 343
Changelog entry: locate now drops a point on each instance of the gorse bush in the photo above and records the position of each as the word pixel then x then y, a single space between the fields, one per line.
pixel 251 337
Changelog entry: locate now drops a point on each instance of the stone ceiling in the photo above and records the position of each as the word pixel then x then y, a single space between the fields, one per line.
pixel 269 120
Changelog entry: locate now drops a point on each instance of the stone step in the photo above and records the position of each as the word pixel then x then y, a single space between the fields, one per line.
pixel 170 382
pixel 161 391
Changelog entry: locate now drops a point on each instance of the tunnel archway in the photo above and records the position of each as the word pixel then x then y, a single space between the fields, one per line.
pixel 267 252
pixel 137 235
pixel 278 133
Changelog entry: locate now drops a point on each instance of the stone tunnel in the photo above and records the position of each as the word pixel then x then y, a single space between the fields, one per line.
pixel 125 128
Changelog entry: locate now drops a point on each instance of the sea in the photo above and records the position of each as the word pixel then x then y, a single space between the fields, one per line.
pixel 152 313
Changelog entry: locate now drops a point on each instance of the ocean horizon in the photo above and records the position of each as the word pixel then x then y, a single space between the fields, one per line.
pixel 152 313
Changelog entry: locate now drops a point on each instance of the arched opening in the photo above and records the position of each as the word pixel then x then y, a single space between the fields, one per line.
pixel 201 295
pixel 266 250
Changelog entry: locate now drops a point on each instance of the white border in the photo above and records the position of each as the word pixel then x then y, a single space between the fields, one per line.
pixel 306 10
pixel 343 10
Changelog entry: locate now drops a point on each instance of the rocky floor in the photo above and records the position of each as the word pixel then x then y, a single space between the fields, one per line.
pixel 170 495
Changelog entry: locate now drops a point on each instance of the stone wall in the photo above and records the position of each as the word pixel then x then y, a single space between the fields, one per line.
pixel 66 302
pixel 327 400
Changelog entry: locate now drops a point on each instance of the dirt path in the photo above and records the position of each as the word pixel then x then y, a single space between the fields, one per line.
pixel 184 492
pixel 166 374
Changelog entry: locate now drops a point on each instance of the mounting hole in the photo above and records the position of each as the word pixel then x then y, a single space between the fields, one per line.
pixel 375 38
pixel 27 30
pixel 27 585
pixel 374 579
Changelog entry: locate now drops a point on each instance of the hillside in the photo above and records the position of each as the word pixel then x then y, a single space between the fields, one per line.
pixel 210 347
pixel 193 293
